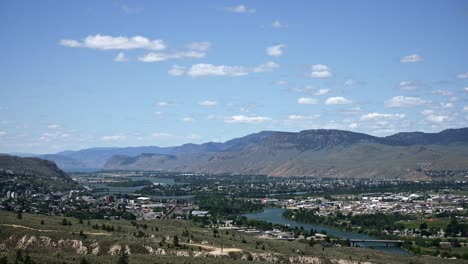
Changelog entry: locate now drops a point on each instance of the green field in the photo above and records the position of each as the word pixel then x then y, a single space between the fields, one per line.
pixel 439 223
pixel 52 242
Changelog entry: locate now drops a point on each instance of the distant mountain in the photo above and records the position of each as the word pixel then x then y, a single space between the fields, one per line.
pixel 320 152
pixel 34 171
pixel 326 153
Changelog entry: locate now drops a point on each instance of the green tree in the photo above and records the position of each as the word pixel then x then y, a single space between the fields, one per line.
pixel 123 257
pixel 3 260
pixel 19 257
pixel 19 215
pixel 64 222
pixel 176 241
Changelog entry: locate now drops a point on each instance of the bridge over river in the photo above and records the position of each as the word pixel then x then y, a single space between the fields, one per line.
pixel 387 243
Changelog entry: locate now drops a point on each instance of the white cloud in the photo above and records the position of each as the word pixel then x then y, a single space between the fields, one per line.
pixel 120 57
pixel 350 82
pixel 156 57
pixel 321 92
pixel 161 135
pixel 403 101
pixel 247 119
pixel 276 50
pixel 114 138
pixel 188 119
pixel 442 92
pixel 411 58
pixel 278 24
pixel 301 117
pixel 437 118
pixel 465 108
pixel 176 70
pixel 353 125
pixel 3 133
pixel 463 75
pixel 163 103
pixel 266 67
pixel 408 85
pixel 241 9
pixel 337 101
pixel 200 46
pixel 465 89
pixel 427 112
pixel 379 116
pixel 307 101
pixel 283 82
pixel 320 71
pixel 105 42
pixel 54 126
pixel 203 69
pixel 208 103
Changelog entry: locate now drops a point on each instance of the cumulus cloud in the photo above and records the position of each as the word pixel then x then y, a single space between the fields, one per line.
pixel 276 50
pixel 240 9
pixel 411 58
pixel 442 92
pixel 266 67
pixel 54 126
pixel 200 46
pixel 380 116
pixel 163 103
pixel 437 118
pixel 404 101
pixel 465 89
pixel 208 103
pixel 203 69
pixel 408 85
pixel 278 24
pixel 321 92
pixel 353 126
pixel 350 82
pixel 320 71
pixel 307 101
pixel 114 138
pixel 302 117
pixel 156 57
pixel 106 42
pixel 161 135
pixel 188 119
pixel 463 75
pixel 3 133
pixel 176 70
pixel 337 101
pixel 120 57
pixel 283 82
pixel 247 119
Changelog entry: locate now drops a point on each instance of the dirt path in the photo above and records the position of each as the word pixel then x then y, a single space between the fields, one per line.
pixel 214 250
pixel 29 228
pixel 96 234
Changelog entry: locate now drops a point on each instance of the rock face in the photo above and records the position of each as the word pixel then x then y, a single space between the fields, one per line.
pixel 325 153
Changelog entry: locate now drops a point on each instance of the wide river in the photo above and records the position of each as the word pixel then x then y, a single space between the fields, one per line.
pixel 275 216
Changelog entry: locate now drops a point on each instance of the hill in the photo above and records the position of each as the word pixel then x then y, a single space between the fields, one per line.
pixel 38 172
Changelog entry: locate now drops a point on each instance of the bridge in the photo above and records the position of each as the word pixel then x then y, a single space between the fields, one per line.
pixel 387 243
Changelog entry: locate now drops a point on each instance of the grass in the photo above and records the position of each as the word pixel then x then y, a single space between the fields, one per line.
pixel 9 237
pixel 439 223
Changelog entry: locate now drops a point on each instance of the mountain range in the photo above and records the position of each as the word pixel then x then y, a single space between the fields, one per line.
pixel 322 152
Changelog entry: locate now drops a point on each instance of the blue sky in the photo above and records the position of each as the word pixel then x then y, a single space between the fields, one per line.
pixel 131 73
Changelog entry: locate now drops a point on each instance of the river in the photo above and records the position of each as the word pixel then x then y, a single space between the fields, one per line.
pixel 275 216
